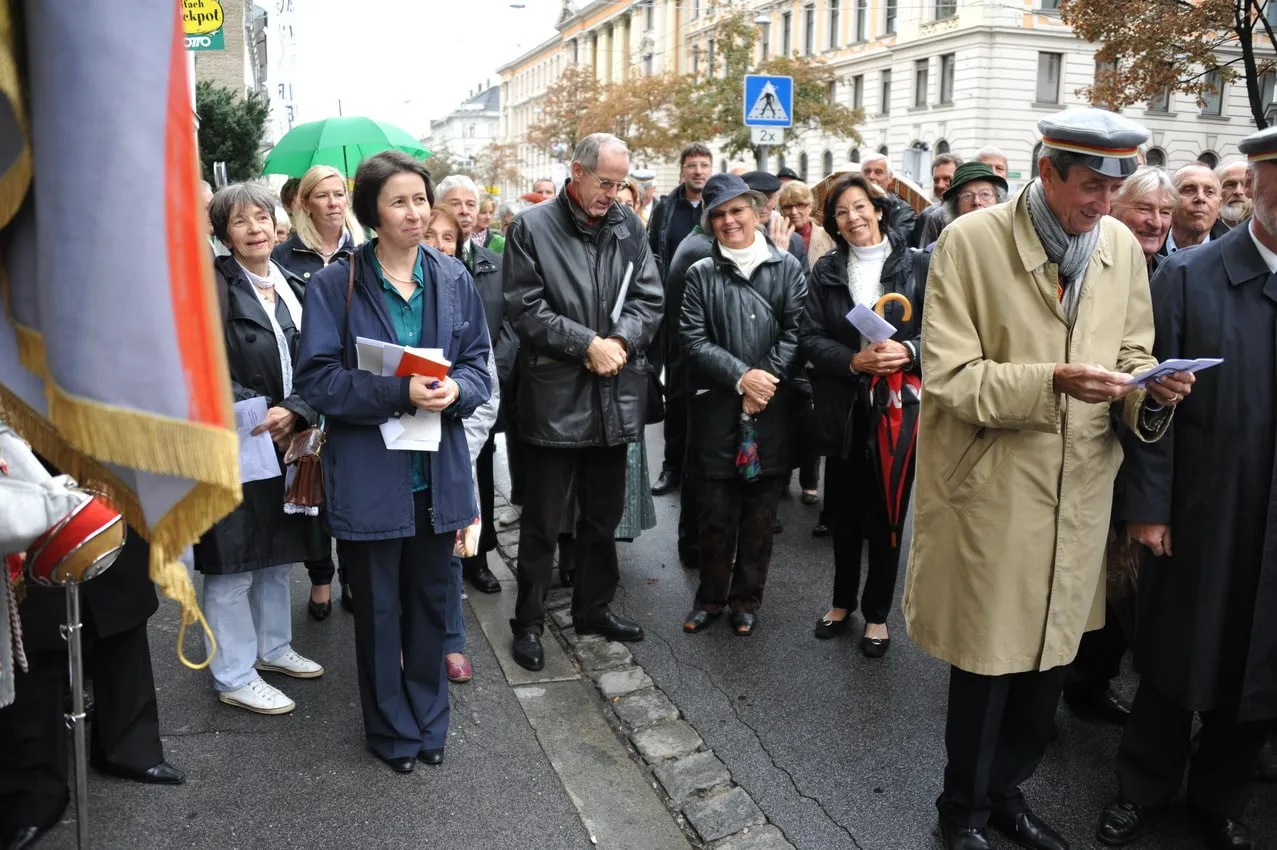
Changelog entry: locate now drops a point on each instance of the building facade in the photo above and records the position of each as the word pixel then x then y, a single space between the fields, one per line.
pixel 469 128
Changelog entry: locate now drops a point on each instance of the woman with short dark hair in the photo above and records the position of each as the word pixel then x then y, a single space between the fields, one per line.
pixel 869 262
pixel 247 557
pixel 395 513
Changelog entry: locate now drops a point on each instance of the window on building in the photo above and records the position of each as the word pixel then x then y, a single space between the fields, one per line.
pixel 696 62
pixel 802 167
pixel 885 92
pixel 696 8
pixel 809 30
pixel 858 91
pixel 780 163
pixel 862 20
pixel 833 24
pixel 1214 95
pixel 1155 156
pixel 947 63
pixel 1270 13
pixel 1037 154
pixel 1208 158
pixel 709 59
pixel 946 9
pixel 884 150
pixel 853 155
pixel 764 41
pixel 576 51
pixel 649 16
pixel 890 9
pixel 1161 102
pixel 1049 77
pixel 920 82
pixel 1049 5
pixel 826 164
pixel 942 146
pixel 722 165
pixel 787 33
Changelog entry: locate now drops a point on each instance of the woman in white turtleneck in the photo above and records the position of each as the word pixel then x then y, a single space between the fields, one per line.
pixel 869 262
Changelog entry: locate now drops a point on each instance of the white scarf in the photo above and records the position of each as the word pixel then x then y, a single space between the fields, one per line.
pixel 277 282
pixel 748 259
pixel 864 272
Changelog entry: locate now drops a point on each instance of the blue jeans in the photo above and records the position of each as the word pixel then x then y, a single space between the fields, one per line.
pixel 250 618
pixel 454 638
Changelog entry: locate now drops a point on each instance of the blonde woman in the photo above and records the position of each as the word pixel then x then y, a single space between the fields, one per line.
pixel 795 204
pixel 324 231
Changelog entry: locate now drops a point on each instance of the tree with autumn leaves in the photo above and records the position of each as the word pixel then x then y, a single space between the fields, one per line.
pixel 657 115
pixel 1150 47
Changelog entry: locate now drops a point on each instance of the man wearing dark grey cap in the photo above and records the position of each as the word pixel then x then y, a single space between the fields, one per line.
pixel 786 174
pixel 1204 503
pixel 775 225
pixel 1037 314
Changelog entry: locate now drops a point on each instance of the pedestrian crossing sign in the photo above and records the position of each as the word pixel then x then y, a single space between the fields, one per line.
pixel 769 101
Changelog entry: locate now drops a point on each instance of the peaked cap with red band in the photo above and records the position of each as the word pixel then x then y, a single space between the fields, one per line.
pixel 1261 146
pixel 1105 141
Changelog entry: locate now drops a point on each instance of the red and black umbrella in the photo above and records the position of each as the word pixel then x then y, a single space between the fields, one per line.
pixel 893 429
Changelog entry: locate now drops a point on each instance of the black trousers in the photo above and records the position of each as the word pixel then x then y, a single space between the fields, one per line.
pixel 689 521
pixel 736 519
pixel 401 591
pixel 1098 661
pixel 513 448
pixel 34 745
pixel 856 513
pixel 323 569
pixel 599 475
pixel 996 732
pixel 1155 750
pixel 676 411
pixel 487 494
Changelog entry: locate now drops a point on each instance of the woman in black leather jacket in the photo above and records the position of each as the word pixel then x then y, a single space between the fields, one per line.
pixel 869 262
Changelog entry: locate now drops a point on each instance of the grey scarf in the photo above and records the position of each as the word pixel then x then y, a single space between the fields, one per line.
pixel 1072 253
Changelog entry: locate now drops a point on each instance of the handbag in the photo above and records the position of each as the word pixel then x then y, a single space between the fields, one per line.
pixel 305 490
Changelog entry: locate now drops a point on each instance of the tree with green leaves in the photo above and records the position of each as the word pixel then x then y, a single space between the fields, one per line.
pixel 231 129
pixel 1151 47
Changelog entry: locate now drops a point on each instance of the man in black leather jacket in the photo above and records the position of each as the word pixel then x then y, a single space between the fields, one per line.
pixel 584 295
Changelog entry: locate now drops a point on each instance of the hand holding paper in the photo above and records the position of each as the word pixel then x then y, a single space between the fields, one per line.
pixel 871 326
pixel 1170 367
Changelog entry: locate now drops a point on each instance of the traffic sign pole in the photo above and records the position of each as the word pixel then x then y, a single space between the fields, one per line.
pixel 769 109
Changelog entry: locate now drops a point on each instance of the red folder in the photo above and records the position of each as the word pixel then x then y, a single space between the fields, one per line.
pixel 416 363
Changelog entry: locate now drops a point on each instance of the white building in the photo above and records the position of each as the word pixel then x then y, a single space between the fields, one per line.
pixel 281 51
pixel 469 128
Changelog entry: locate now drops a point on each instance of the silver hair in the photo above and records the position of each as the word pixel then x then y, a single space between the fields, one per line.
pixel 1146 180
pixel 757 200
pixel 509 209
pixel 588 149
pixel 1227 164
pixel 951 203
pixel 457 181
pixel 230 198
pixel 990 151
pixel 874 157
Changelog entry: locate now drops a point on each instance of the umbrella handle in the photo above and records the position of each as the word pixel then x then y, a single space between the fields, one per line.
pixel 880 307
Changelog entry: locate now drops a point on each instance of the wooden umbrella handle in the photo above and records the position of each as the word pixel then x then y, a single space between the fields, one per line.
pixel 880 307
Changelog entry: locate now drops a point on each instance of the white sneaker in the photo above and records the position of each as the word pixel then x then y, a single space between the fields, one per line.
pixel 510 517
pixel 260 697
pixel 291 664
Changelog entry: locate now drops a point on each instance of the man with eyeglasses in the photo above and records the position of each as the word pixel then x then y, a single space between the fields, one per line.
pixel 584 295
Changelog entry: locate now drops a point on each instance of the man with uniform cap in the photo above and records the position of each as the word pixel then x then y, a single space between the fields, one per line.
pixel 775 226
pixel 646 180
pixel 1037 313
pixel 1203 501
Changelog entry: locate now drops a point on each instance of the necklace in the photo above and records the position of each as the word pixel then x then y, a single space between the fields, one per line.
pixel 385 268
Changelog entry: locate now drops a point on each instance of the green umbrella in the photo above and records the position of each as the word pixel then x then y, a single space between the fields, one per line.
pixel 342 143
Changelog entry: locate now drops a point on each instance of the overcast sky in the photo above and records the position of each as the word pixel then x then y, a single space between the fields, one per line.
pixel 407 61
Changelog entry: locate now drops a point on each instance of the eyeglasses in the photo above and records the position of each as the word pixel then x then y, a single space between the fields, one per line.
pixel 985 196
pixel 789 207
pixel 862 209
pixel 606 185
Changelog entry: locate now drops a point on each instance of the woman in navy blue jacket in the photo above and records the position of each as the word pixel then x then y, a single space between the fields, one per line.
pixel 395 513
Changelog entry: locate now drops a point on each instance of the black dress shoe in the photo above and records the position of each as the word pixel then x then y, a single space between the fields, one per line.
pixel 827 629
pixel 1224 833
pixel 432 757
pixel 612 627
pixel 667 482
pixel 399 765
pixel 347 601
pixel 874 647
pixel 319 610
pixel 1028 830
pixel 21 837
pixel 699 620
pixel 820 531
pixel 778 527
pixel 689 558
pixel 528 652
pixel 161 774
pixel 1121 822
pixel 482 579
pixel 1266 768
pixel 567 578
pixel 743 623
pixel 961 837
pixel 1103 706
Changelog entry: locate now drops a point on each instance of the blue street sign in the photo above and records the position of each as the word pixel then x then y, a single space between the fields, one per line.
pixel 769 101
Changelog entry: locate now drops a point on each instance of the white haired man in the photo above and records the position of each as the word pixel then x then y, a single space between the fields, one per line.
pixel 900 216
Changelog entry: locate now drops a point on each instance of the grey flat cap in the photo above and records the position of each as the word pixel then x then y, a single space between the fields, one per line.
pixel 642 175
pixel 1261 146
pixel 1107 142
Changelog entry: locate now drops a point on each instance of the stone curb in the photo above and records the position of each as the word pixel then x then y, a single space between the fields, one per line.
pixel 696 784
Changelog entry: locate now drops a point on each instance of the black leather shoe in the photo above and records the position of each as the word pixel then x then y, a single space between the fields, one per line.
pixel 667 482
pixel 1028 830
pixel 690 558
pixel 743 623
pixel 699 620
pixel 874 647
pixel 1266 768
pixel 1121 822
pixel 1104 706
pixel 820 531
pixel 347 601
pixel 431 757
pixel 21 837
pixel 778 527
pixel 319 610
pixel 567 578
pixel 612 627
pixel 961 837
pixel 528 652
pixel 1224 833
pixel 399 765
pixel 482 579
pixel 161 774
pixel 827 629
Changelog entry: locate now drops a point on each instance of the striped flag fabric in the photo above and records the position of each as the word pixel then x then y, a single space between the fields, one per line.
pixel 111 344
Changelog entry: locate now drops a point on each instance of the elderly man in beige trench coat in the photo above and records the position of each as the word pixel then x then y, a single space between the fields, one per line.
pixel 1037 313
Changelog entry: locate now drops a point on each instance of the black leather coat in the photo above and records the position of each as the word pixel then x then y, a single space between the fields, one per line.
pixel 563 276
pixel 829 341
pixel 293 256
pixel 258 533
pixel 729 326
pixel 485 268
